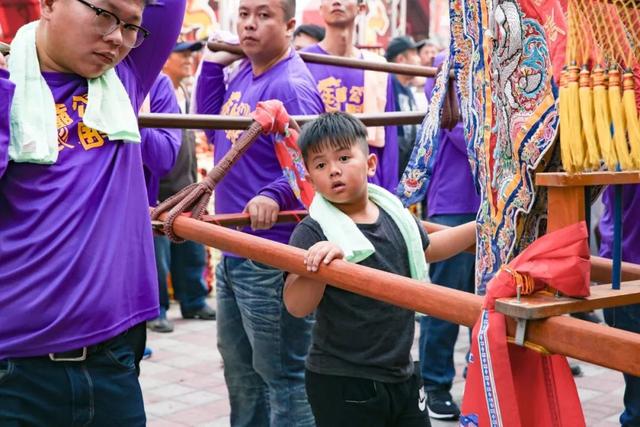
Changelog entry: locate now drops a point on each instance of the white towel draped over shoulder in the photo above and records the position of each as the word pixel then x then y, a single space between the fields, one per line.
pixel 34 134
pixel 341 230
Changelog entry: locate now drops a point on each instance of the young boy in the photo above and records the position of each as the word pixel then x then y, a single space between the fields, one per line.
pixel 359 368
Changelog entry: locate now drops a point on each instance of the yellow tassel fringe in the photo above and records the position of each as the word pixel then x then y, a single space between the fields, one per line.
pixel 631 115
pixel 603 118
pixel 592 159
pixel 618 118
pixel 575 123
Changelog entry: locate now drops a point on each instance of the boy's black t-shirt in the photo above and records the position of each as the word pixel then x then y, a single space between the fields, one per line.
pixel 358 336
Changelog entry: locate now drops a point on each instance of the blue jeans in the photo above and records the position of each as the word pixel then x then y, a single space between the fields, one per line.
pixel 627 318
pixel 438 337
pixel 186 262
pixel 101 391
pixel 263 347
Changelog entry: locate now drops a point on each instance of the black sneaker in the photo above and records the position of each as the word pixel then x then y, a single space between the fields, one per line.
pixel 205 313
pixel 441 405
pixel 160 324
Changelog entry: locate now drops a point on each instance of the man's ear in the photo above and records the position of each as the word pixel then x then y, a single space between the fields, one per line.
pixel 46 7
pixel 291 26
pixel 372 164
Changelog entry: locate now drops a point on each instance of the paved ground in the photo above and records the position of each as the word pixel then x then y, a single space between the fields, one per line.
pixel 183 383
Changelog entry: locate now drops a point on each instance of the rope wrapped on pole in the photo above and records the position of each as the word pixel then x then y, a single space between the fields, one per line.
pixel 269 117
pixel 387 67
pixel 575 338
pixel 204 121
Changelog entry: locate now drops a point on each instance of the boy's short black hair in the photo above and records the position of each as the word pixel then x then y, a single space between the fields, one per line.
pixel 337 130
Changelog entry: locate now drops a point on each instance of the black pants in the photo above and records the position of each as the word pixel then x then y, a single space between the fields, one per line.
pixel 338 401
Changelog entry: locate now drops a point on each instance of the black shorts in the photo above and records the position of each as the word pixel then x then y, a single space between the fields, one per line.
pixel 338 401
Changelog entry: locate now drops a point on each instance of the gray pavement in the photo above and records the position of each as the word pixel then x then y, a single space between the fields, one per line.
pixel 183 383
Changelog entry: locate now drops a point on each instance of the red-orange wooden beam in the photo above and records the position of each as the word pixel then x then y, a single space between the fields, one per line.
pixel 600 267
pixel 598 344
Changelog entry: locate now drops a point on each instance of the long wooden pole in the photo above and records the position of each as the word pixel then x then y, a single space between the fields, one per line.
pixel 601 345
pixel 205 121
pixel 387 67
pixel 601 268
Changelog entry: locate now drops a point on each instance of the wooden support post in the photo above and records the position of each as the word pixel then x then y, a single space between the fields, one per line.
pixel 568 207
pixel 598 344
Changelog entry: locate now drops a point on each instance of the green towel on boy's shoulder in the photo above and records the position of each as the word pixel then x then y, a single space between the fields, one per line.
pixel 341 230
pixel 34 134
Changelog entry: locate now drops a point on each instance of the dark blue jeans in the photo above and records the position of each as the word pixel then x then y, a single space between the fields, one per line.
pixel 186 262
pixel 263 347
pixel 437 337
pixel 100 391
pixel 628 318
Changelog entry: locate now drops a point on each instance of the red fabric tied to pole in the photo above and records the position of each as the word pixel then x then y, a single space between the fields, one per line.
pixel 273 118
pixel 513 386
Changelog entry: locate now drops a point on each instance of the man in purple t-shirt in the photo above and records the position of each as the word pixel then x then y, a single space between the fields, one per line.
pixel 451 200
pixel 356 91
pixel 77 272
pixel 627 317
pixel 263 347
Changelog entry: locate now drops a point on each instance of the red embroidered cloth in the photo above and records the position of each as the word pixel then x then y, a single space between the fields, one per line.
pixel 510 385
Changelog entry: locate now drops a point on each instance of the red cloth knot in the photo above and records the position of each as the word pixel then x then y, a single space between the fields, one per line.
pixel 272 116
pixel 559 259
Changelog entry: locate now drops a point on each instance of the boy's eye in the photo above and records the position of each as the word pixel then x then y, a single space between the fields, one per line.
pixel 320 165
pixel 344 158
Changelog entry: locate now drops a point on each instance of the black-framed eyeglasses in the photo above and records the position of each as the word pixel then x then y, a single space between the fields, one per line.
pixel 107 22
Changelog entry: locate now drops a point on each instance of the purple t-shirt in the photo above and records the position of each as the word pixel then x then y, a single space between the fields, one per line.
pixel 76 255
pixel 630 224
pixel 342 89
pixel 451 189
pixel 6 95
pixel 160 146
pixel 257 171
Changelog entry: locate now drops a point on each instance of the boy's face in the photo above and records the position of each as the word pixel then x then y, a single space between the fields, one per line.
pixel 340 175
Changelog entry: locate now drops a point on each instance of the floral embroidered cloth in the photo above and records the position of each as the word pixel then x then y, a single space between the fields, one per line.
pixel 504 74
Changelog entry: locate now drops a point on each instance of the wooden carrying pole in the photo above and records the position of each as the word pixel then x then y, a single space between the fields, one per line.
pixel 206 121
pixel 601 268
pixel 387 67
pixel 601 345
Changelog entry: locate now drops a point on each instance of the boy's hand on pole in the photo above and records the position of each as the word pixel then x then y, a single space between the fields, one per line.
pixel 322 252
